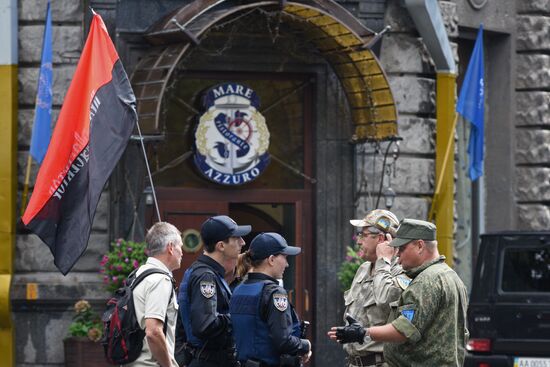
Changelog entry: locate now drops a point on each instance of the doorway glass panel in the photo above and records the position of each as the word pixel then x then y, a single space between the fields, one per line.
pixel 280 218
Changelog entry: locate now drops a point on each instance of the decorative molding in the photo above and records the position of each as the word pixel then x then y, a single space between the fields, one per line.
pixel 477 4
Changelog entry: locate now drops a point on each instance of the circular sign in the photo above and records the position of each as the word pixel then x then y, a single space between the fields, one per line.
pixel 192 241
pixel 232 138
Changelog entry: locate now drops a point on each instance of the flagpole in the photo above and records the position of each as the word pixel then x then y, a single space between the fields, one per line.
pixel 443 167
pixel 148 171
pixel 26 186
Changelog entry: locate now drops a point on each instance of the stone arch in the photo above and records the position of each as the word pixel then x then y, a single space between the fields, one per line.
pixel 340 38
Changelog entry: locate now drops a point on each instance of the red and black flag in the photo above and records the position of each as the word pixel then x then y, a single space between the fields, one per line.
pixel 92 131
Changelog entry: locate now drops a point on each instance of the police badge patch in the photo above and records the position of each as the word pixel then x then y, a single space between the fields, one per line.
pixel 208 289
pixel 280 301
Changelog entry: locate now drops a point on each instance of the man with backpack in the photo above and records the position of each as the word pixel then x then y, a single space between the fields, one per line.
pixel 155 303
pixel 204 295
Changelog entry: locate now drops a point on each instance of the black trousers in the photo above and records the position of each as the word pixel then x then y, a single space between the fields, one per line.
pixel 202 363
pixel 210 363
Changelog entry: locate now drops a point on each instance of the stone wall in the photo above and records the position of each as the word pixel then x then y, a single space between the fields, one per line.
pixel 41 324
pixel 412 78
pixel 533 114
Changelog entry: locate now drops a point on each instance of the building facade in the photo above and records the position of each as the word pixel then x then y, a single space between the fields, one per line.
pixel 322 171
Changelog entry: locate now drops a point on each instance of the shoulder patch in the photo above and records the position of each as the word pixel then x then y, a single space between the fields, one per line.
pixel 403 281
pixel 280 301
pixel 409 314
pixel 208 288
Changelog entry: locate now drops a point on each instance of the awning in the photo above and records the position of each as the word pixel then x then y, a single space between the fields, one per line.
pixel 338 35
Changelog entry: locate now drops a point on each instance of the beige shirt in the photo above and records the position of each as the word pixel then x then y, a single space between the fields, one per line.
pixel 369 297
pixel 151 301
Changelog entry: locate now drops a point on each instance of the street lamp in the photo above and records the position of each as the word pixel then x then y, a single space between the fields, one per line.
pixel 148 192
pixel 389 197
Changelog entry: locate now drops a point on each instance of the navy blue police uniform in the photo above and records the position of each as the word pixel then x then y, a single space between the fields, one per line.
pixel 204 300
pixel 264 322
pixel 204 309
pixel 266 327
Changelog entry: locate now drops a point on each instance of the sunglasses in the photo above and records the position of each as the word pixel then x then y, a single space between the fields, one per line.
pixel 361 235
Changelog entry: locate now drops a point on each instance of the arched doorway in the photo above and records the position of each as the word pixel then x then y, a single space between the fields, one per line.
pixel 320 87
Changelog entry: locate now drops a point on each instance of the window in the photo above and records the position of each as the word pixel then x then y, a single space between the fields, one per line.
pixel 526 270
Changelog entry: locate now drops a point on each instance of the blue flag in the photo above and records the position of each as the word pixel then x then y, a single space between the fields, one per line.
pixel 471 105
pixel 41 131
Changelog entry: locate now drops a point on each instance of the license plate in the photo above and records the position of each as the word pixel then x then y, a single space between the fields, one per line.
pixel 531 362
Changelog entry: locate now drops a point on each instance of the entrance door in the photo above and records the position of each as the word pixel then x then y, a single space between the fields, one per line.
pixel 278 200
pixel 264 210
pixel 188 217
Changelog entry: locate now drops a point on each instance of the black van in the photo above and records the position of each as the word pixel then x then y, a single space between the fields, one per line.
pixel 509 311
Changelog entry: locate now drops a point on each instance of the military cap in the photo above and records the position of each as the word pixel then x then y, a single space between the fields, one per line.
pixel 413 229
pixel 383 220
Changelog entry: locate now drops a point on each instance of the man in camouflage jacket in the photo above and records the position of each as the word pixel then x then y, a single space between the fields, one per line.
pixel 429 320
pixel 378 282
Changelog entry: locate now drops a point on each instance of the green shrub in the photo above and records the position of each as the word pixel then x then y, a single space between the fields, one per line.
pixel 348 268
pixel 123 258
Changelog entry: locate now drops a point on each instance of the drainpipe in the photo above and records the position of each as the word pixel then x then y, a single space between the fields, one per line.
pixel 8 169
pixel 429 23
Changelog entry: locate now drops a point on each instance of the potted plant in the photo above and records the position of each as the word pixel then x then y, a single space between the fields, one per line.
pixel 82 347
pixel 123 258
pixel 348 268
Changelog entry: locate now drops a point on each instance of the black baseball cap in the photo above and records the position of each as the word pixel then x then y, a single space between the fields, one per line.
pixel 220 228
pixel 270 243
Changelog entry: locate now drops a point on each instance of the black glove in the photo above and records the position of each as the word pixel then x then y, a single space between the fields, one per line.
pixel 353 333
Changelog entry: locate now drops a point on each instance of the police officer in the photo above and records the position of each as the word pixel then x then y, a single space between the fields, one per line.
pixel 378 282
pixel 204 295
pixel 428 324
pixel 266 327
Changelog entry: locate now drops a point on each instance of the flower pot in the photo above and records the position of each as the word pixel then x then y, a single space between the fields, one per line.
pixel 82 352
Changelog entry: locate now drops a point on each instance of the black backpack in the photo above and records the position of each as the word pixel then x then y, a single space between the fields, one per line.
pixel 122 336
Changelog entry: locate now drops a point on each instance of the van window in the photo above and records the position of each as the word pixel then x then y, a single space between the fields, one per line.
pixel 526 270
